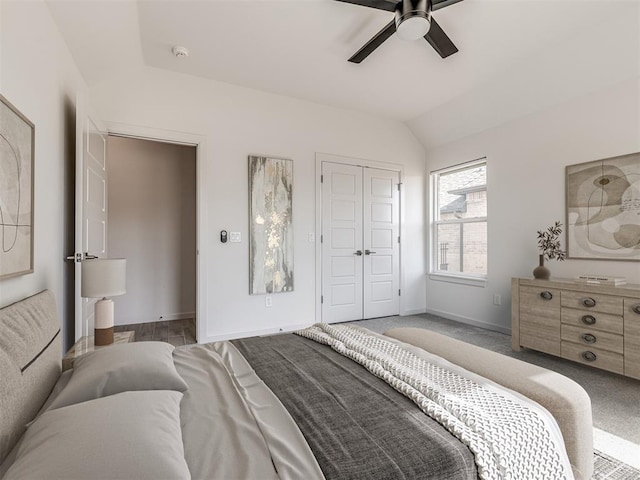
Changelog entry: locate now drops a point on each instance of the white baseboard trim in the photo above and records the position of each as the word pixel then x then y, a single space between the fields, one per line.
pixel 415 311
pixel 177 316
pixel 253 333
pixel 470 321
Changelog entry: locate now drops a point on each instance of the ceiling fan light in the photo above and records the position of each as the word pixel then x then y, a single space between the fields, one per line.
pixel 413 28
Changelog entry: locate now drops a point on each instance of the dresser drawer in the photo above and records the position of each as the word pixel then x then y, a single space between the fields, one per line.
pixel 594 357
pixel 592 302
pixel 540 341
pixel 540 319
pixel 631 338
pixel 593 320
pixel 540 301
pixel 592 338
pixel 632 308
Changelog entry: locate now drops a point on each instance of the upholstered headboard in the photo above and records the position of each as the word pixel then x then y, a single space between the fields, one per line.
pixel 30 363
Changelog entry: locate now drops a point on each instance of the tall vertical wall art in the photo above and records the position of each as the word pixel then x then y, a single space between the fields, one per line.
pixel 271 231
pixel 17 139
pixel 603 209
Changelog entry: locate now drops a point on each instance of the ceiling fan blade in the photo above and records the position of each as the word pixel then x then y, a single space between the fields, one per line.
pixel 439 40
pixel 388 5
pixel 438 4
pixel 374 43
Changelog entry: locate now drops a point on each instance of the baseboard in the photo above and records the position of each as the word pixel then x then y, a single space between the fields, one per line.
pixel 253 333
pixel 470 321
pixel 177 316
pixel 415 311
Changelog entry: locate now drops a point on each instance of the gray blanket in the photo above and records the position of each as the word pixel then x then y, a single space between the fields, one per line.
pixel 357 426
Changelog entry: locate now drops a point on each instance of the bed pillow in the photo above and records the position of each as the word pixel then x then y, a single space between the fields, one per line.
pixel 121 368
pixel 129 435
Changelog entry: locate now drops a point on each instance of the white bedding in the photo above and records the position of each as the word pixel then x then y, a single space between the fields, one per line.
pixel 233 426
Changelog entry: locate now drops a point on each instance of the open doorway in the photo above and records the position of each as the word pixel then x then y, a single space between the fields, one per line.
pixel 152 223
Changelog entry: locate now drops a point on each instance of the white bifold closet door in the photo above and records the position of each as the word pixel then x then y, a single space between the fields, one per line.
pixel 360 242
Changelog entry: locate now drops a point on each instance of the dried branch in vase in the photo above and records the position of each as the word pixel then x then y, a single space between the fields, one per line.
pixel 549 243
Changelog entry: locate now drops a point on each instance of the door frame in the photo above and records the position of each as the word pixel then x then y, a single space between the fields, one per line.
pixel 358 162
pixel 200 144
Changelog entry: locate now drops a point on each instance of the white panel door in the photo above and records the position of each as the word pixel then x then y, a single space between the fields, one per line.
pixel 90 205
pixel 341 242
pixel 360 249
pixel 381 229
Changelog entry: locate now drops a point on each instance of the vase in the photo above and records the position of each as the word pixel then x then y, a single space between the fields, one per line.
pixel 541 272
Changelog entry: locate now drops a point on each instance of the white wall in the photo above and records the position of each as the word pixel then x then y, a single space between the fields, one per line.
pixel 526 161
pixel 152 223
pixel 38 76
pixel 237 122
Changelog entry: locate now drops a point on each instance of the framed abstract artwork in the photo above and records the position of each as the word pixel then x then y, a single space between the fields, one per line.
pixel 270 229
pixel 17 141
pixel 603 209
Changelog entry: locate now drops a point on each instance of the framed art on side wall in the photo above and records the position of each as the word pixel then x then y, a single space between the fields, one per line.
pixel 270 228
pixel 17 141
pixel 603 209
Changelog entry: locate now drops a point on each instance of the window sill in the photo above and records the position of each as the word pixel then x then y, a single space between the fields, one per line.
pixel 459 279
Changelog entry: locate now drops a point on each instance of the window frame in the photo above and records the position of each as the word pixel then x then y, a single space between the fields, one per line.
pixel 473 279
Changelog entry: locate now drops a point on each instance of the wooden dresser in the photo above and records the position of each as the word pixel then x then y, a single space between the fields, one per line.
pixel 598 325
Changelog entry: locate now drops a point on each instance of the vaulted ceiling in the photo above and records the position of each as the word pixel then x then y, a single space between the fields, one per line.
pixel 300 48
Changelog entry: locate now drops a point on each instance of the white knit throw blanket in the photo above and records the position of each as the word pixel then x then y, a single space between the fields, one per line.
pixel 511 437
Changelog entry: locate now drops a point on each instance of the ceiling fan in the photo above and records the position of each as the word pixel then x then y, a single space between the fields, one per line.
pixel 412 20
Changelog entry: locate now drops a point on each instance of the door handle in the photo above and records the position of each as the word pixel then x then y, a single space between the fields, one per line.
pixel 368 252
pixel 79 257
pixel 358 252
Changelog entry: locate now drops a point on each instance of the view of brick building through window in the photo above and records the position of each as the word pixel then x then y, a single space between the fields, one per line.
pixel 461 224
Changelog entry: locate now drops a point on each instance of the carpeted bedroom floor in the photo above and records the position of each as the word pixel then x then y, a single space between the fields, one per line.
pixel 615 399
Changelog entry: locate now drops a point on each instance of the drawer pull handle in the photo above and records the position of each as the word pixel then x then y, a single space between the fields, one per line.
pixel 588 302
pixel 546 295
pixel 589 356
pixel 589 338
pixel 636 308
pixel 588 319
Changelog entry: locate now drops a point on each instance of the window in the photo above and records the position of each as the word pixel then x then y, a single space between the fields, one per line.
pixel 459 220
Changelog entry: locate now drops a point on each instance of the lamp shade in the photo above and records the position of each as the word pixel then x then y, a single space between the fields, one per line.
pixel 103 277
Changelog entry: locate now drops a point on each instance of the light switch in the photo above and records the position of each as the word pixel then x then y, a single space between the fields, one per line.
pixel 235 237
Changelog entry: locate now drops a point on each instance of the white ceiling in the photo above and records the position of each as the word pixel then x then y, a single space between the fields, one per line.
pixel 300 48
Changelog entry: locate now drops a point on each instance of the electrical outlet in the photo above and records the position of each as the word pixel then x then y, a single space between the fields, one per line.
pixel 268 301
pixel 312 237
pixel 235 237
pixel 497 299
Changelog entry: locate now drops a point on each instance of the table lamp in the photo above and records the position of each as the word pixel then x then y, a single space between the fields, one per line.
pixel 102 278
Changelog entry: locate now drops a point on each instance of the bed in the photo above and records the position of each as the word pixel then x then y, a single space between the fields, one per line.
pixel 331 402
